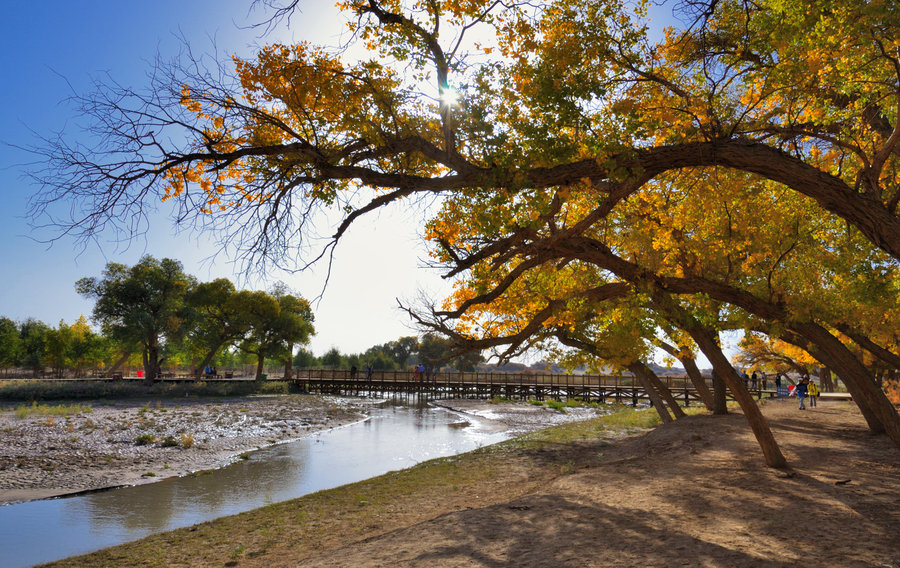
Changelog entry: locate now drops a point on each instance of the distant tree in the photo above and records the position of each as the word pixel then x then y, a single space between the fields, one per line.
pixel 295 324
pixel 220 317
pixel 774 356
pixel 10 343
pixel 142 305
pixel 436 351
pixel 277 322
pixel 86 348
pixel 34 337
pixel 332 359
pixel 401 350
pixel 304 359
pixel 56 347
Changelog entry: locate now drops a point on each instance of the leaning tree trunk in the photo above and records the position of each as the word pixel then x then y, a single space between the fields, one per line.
pixel 662 389
pixel 758 423
pixel 859 381
pixel 119 362
pixel 696 377
pixel 704 339
pixel 693 373
pixel 655 398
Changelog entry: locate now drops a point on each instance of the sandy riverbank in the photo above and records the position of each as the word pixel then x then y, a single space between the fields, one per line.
pixel 47 455
pixel 691 493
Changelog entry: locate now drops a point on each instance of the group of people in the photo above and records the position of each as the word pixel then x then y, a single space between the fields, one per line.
pixel 807 389
pixel 421 372
pixel 754 381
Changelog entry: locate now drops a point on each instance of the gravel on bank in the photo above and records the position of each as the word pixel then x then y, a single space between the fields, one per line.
pixel 114 443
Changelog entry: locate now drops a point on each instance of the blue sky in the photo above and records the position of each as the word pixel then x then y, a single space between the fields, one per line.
pixel 53 47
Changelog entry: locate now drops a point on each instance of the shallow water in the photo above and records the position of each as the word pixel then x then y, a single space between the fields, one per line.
pixel 392 438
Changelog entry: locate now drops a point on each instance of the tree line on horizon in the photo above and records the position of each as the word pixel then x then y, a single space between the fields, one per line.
pixel 153 315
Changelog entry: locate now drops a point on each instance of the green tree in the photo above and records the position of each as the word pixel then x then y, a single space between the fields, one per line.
pixel 34 336
pixel 86 349
pixel 332 359
pixel 141 305
pixel 10 343
pixel 220 317
pixel 277 323
pixel 57 347
pixel 304 359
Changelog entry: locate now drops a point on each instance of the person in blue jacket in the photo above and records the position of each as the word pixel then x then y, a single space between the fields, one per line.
pixel 802 390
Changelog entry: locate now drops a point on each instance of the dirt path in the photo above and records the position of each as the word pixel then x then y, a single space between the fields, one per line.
pixel 693 493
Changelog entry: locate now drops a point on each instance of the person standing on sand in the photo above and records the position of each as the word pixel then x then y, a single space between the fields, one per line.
pixel 802 389
pixel 813 392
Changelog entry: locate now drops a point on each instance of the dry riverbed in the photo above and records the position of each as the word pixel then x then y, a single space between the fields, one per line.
pixel 113 443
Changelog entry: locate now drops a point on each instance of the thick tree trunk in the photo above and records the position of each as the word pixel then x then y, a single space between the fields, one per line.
pixel 289 363
pixel 259 365
pixel 146 358
pixel 758 423
pixel 827 381
pixel 720 399
pixel 859 381
pixel 655 398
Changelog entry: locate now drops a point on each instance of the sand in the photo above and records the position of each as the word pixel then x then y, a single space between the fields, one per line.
pixel 692 493
pixel 46 455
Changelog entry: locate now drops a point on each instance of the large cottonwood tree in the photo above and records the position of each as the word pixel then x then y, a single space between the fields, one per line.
pixel 141 305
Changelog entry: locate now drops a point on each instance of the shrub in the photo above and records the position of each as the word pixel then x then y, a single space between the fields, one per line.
pixel 169 442
pixel 145 439
pixel 275 387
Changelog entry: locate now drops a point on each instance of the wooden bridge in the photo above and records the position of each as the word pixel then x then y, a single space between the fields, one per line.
pixel 436 385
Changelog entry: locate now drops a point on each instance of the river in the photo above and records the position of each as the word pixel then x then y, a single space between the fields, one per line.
pixel 392 438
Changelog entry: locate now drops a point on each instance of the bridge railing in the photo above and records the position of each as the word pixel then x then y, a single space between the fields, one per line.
pixel 549 379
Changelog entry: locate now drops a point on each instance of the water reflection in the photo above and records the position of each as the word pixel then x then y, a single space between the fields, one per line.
pixel 393 438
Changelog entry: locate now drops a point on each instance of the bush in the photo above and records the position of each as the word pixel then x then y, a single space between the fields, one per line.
pixel 145 439
pixel 169 442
